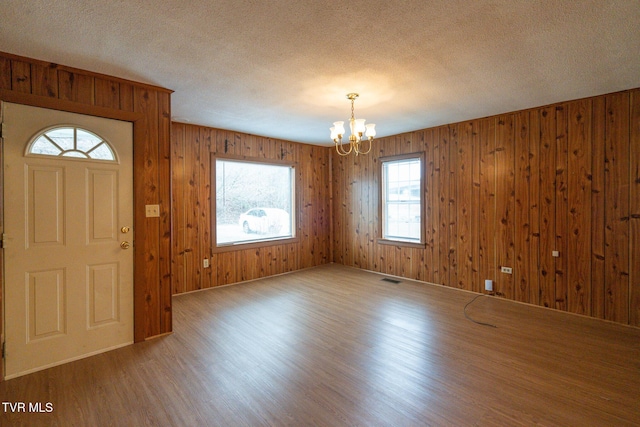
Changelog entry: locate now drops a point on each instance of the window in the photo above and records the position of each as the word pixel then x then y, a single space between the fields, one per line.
pixel 70 141
pixel 254 202
pixel 402 199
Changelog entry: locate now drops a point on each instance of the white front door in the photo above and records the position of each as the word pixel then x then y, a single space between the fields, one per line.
pixel 68 213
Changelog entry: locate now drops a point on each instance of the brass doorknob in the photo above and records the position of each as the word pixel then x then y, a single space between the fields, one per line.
pixel 125 229
pixel 125 245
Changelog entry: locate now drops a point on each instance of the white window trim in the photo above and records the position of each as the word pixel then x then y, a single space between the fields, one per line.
pixel 256 243
pixel 382 205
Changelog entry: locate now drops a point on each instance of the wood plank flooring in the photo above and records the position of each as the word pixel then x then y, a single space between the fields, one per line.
pixel 336 346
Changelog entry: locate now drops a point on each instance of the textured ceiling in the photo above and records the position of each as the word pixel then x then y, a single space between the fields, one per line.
pixel 282 68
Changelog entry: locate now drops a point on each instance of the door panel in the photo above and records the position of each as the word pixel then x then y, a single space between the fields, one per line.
pixel 103 299
pixel 102 192
pixel 45 193
pixel 45 302
pixel 68 283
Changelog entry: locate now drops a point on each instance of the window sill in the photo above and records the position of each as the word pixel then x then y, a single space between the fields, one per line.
pixel 402 243
pixel 254 244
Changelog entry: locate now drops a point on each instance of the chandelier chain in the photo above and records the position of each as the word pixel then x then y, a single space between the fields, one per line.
pixel 352 114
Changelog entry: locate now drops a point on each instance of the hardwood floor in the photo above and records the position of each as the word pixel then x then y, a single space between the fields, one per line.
pixel 334 346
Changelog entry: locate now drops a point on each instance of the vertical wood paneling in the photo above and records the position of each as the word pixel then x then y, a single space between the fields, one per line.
pixel 405 256
pixel 21 76
pixel 178 166
pixel 477 282
pixel 598 209
pixel 522 220
pixel 227 274
pixel 340 206
pixel 534 203
pixel 419 256
pixel 487 231
pixel 44 80
pixel 147 250
pixel 126 96
pixel 373 191
pixel 75 87
pixel 434 138
pixel 107 93
pixel 452 181
pixel 547 276
pixel 192 263
pixel 427 258
pixel 617 208
pixel 579 207
pixel 443 205
pixel 331 211
pixel 204 196
pixel 452 178
pixel 505 202
pixel 5 73
pixel 369 197
pixel 634 209
pixel 164 200
pixel 308 239
pixel 382 149
pixel 561 208
pixel 358 215
pixel 350 206
pixel 464 177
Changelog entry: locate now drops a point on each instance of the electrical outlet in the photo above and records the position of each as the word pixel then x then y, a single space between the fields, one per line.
pixel 205 263
pixel 507 270
pixel 555 254
pixel 152 211
pixel 488 285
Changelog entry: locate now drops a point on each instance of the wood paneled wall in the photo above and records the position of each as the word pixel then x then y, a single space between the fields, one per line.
pixel 507 191
pixel 191 181
pixel 43 84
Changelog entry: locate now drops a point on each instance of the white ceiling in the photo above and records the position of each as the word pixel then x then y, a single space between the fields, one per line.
pixel 282 68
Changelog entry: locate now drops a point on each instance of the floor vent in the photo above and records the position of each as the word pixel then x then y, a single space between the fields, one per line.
pixel 386 279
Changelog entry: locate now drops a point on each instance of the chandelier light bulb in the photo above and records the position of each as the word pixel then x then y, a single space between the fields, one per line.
pixel 371 130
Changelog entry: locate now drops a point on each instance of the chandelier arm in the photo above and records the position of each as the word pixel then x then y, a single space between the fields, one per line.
pixel 340 149
pixel 370 145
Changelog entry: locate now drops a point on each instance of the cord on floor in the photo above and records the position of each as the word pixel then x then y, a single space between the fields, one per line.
pixel 475 321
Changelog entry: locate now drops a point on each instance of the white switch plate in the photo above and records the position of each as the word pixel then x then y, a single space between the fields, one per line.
pixel 555 254
pixel 507 270
pixel 205 263
pixel 152 211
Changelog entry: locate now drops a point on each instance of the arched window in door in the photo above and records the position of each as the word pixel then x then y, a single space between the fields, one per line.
pixel 71 141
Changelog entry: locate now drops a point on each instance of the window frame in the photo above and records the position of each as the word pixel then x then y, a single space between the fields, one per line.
pixel 381 206
pixel 252 244
pixel 28 150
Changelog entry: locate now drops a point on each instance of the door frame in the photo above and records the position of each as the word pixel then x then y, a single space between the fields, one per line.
pixel 138 121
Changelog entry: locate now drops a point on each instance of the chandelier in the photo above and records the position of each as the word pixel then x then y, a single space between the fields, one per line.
pixel 358 128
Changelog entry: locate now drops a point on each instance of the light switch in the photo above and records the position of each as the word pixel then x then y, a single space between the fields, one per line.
pixel 555 254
